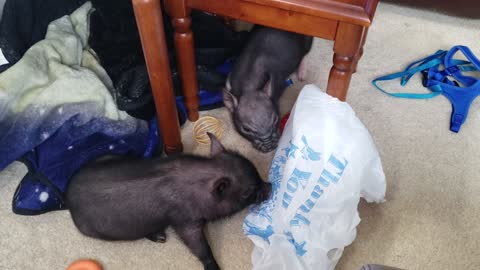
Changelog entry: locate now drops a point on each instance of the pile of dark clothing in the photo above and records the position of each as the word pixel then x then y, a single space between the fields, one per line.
pixel 115 39
pixel 108 106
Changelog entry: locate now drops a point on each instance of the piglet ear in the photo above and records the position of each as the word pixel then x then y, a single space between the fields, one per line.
pixel 220 186
pixel 230 100
pixel 268 88
pixel 215 146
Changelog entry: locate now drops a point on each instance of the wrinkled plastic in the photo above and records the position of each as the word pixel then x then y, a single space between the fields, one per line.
pixel 326 160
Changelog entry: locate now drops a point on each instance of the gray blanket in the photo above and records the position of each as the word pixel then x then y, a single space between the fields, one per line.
pixel 59 79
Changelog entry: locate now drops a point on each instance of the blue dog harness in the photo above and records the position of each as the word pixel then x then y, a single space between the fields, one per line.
pixel 461 90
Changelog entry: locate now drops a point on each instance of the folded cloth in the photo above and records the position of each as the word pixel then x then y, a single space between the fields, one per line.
pixel 59 80
pixel 57 101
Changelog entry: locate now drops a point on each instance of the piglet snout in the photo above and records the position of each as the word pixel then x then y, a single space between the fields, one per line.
pixel 264 192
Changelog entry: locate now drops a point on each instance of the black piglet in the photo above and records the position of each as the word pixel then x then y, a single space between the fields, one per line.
pixel 128 199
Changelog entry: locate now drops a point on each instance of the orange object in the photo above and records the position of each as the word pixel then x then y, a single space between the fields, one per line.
pixel 85 265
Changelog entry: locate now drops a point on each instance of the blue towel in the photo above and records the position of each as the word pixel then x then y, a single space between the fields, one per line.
pixel 52 164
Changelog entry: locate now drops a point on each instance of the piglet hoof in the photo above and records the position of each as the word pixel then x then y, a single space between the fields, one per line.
pixel 159 237
pixel 302 70
pixel 211 266
pixel 302 75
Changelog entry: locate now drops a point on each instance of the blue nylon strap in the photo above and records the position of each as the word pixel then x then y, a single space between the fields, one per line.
pixel 438 55
pixel 449 61
pixel 433 76
pixel 427 63
pixel 448 80
pixel 468 68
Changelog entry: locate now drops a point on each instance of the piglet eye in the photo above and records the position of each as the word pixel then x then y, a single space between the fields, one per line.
pixel 221 186
pixel 246 129
pixel 221 189
pixel 246 195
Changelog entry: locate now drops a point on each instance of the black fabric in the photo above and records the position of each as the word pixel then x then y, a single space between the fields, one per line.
pixel 114 37
pixel 25 22
pixel 210 32
pixel 214 43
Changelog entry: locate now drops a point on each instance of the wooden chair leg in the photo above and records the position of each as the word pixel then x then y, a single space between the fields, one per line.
pixel 359 54
pixel 148 15
pixel 184 47
pixel 347 44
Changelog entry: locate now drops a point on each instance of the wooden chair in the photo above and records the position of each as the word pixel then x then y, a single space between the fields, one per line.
pixel 344 21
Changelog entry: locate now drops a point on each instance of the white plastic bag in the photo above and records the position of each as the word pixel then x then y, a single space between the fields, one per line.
pixel 325 161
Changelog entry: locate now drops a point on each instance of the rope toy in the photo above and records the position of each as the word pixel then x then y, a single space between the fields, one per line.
pixel 207 124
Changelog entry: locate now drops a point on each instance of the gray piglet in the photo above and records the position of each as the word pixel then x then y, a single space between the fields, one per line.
pixel 125 199
pixel 258 79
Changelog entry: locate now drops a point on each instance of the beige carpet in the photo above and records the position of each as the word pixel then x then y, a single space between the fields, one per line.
pixel 430 221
